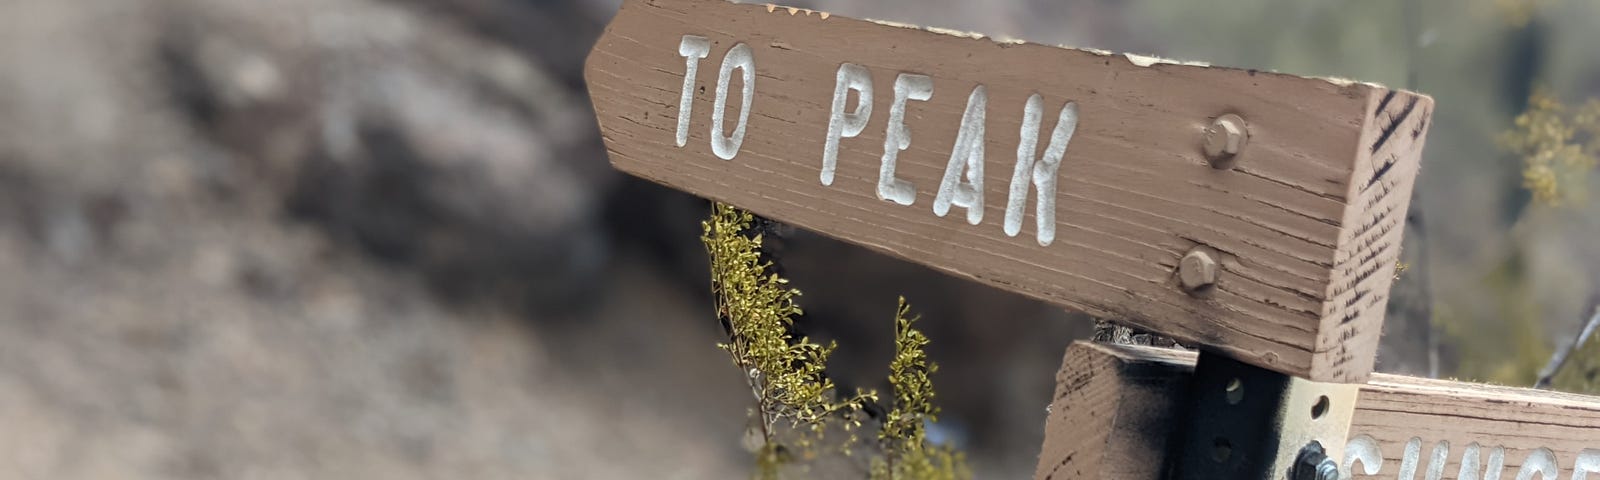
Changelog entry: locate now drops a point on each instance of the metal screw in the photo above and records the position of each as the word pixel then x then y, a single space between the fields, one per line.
pixel 1197 270
pixel 1225 138
pixel 1313 464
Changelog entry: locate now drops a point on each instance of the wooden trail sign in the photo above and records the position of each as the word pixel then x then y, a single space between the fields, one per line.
pixel 1115 407
pixel 1077 177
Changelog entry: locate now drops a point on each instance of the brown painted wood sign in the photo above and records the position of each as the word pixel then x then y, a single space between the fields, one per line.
pixel 1115 408
pixel 1074 176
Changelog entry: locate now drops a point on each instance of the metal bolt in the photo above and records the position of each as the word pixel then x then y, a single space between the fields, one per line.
pixel 1313 464
pixel 1225 138
pixel 1197 270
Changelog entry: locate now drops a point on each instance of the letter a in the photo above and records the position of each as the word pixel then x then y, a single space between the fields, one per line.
pixel 968 153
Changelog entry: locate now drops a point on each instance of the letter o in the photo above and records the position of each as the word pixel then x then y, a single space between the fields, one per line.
pixel 726 147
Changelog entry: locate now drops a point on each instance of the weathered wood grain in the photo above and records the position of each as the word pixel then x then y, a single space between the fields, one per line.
pixel 1304 222
pixel 1114 408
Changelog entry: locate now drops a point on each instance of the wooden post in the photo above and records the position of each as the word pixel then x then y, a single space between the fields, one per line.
pixel 1256 214
pixel 1114 410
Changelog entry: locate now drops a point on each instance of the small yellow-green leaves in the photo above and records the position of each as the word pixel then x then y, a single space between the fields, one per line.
pixel 908 376
pixel 906 452
pixel 1558 146
pixel 786 375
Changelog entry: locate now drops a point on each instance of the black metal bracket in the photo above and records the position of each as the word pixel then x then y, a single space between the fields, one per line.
pixel 1248 423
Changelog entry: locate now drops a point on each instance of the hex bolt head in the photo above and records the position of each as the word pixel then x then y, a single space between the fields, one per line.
pixel 1197 270
pixel 1313 463
pixel 1224 139
pixel 1327 469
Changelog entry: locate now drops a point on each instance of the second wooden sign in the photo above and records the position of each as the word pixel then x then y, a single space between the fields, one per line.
pixel 1116 407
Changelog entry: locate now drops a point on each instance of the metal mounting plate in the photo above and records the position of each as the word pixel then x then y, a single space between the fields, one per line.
pixel 1246 422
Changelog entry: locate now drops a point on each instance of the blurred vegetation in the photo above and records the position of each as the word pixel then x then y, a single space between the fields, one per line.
pixel 1558 145
pixel 1509 351
pixel 1517 13
pixel 1582 371
pixel 796 402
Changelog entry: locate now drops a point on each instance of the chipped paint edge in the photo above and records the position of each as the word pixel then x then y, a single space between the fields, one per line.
pixel 1138 60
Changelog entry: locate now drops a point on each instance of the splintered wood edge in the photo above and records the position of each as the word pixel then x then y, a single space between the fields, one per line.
pixel 1379 196
pixel 1115 407
pixel 1323 325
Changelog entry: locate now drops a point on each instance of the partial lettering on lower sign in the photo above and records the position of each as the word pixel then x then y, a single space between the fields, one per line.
pixel 1477 462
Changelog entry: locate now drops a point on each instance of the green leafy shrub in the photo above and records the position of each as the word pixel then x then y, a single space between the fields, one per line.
pixel 906 452
pixel 786 374
pixel 795 402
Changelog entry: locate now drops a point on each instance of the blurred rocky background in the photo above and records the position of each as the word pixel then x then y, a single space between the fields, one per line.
pixel 380 239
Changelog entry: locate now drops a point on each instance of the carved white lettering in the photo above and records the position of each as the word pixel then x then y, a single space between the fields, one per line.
pixel 967 155
pixel 692 49
pixel 1364 449
pixel 1469 463
pixel 1588 462
pixel 962 182
pixel 738 57
pixel 846 124
pixel 1541 461
pixel 906 87
pixel 1041 173
pixel 1497 464
pixel 1436 462
pixel 1409 460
